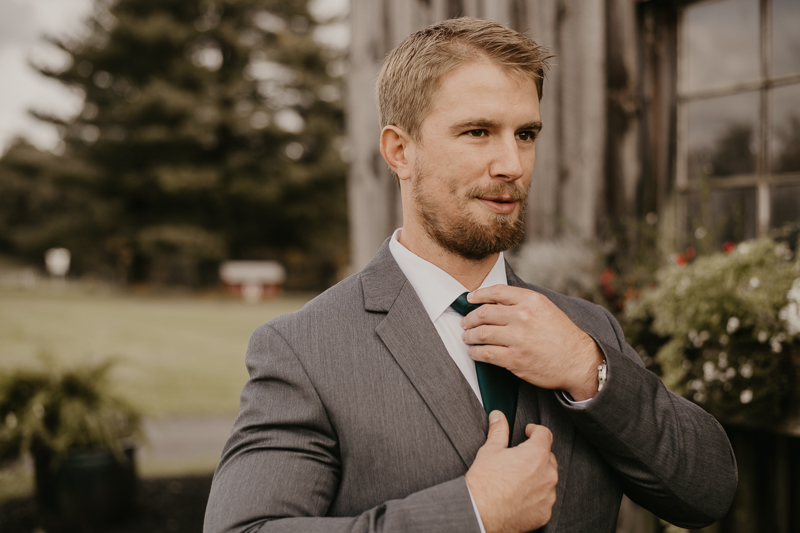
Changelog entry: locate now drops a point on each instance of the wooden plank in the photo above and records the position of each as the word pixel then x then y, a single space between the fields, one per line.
pixel 543 202
pixel 582 53
pixel 372 194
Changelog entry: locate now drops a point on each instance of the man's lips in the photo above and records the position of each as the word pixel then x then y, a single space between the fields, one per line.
pixel 499 204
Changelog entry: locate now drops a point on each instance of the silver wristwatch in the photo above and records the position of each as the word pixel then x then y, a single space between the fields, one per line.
pixel 602 375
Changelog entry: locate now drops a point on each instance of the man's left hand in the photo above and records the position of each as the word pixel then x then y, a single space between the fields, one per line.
pixel 527 334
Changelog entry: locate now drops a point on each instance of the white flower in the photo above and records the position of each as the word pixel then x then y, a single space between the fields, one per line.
pixel 698 338
pixel 790 314
pixel 11 420
pixel 775 342
pixel 746 370
pixel 763 336
pixel 794 292
pixel 746 396
pixel 755 282
pixel 699 397
pixel 733 324
pixel 709 372
pixel 38 410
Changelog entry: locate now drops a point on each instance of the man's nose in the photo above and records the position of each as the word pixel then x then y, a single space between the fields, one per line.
pixel 507 162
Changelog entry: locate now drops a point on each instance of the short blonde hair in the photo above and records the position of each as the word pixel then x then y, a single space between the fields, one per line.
pixel 412 71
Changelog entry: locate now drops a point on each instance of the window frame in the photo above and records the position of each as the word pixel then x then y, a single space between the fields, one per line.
pixel 763 179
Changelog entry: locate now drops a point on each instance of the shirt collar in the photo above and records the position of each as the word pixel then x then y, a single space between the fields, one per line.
pixel 436 288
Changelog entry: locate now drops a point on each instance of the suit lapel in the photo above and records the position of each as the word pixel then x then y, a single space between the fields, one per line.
pixel 552 416
pixel 413 341
pixel 558 422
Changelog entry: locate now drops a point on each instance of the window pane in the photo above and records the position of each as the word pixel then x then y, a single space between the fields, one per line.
pixel 723 136
pixel 721 43
pixel 785 202
pixel 723 215
pixel 785 36
pixel 784 140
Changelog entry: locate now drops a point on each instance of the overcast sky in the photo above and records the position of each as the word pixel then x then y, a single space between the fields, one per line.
pixel 22 25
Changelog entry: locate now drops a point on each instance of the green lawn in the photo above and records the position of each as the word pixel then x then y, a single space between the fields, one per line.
pixel 178 355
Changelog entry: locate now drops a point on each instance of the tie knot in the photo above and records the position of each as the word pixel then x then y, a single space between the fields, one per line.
pixel 462 306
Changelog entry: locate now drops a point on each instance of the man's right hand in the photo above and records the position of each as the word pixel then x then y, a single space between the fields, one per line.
pixel 514 488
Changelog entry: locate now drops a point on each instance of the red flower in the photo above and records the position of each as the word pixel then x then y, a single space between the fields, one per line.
pixel 690 253
pixel 728 247
pixel 680 260
pixel 607 276
pixel 609 291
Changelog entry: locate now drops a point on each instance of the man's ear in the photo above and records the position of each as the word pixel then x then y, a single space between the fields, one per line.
pixel 397 150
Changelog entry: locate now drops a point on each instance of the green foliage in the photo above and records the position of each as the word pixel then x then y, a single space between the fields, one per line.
pixel 730 322
pixel 58 411
pixel 209 130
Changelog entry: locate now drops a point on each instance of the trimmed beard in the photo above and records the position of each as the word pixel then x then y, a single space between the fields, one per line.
pixel 460 234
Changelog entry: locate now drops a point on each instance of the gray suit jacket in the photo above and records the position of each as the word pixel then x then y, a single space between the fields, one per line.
pixel 356 419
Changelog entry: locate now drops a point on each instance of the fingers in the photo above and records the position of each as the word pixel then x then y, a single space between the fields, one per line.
pixel 496 294
pixel 539 435
pixel 497 438
pixel 495 335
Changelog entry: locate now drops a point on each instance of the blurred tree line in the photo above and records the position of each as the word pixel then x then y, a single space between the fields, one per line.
pixel 209 130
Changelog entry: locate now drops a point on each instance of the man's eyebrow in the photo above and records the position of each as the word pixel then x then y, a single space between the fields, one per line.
pixel 536 126
pixel 475 123
pixel 490 124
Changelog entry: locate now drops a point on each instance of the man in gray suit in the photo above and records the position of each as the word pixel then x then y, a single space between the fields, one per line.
pixel 366 411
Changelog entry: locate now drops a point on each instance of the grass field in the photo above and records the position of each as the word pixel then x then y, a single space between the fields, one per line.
pixel 178 355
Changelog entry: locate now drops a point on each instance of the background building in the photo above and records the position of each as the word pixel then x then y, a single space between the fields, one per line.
pixel 668 126
pixel 681 114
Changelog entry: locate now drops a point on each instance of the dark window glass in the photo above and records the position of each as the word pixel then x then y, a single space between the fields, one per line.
pixel 785 36
pixel 784 140
pixel 723 136
pixel 723 214
pixel 721 43
pixel 733 214
pixel 785 202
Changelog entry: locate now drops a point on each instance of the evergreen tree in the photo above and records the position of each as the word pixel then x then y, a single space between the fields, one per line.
pixel 211 130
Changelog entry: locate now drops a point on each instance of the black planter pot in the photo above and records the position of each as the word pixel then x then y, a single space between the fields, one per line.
pixel 87 488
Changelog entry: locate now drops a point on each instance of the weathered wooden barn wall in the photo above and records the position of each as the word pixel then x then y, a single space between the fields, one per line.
pixel 583 177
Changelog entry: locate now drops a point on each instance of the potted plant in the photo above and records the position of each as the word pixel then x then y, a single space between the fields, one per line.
pixel 730 326
pixel 80 435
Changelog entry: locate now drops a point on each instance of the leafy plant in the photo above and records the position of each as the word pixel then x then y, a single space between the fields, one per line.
pixel 58 411
pixel 730 322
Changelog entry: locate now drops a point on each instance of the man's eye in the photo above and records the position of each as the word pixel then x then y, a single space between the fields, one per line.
pixel 526 136
pixel 476 133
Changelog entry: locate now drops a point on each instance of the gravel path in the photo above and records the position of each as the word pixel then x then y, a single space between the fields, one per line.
pixel 185 439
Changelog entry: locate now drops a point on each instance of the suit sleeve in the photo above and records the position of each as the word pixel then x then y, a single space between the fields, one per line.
pixel 280 468
pixel 671 457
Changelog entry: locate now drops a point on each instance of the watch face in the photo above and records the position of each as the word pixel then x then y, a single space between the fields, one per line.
pixel 602 375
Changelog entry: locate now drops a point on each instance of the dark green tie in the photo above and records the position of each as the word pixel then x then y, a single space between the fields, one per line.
pixel 498 385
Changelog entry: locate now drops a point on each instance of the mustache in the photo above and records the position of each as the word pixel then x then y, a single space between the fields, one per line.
pixel 498 190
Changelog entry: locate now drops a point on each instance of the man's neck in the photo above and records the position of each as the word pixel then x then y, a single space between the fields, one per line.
pixel 470 273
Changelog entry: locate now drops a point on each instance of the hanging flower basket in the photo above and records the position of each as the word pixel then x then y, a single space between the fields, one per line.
pixel 731 324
